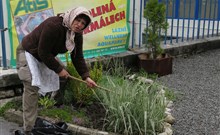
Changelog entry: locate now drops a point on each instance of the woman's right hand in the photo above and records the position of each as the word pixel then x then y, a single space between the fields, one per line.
pixel 63 73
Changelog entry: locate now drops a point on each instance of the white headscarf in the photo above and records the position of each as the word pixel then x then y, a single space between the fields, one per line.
pixel 68 18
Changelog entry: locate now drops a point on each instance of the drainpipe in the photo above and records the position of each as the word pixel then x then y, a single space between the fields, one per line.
pixel 2 29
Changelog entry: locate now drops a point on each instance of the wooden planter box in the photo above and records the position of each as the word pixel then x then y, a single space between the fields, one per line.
pixel 161 66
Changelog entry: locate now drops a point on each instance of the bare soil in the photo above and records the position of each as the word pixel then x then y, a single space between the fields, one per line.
pixel 96 113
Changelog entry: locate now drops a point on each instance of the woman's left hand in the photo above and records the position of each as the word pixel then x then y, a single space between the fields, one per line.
pixel 90 82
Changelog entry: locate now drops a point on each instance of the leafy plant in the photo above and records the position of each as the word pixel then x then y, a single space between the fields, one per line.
pixel 46 102
pixel 155 13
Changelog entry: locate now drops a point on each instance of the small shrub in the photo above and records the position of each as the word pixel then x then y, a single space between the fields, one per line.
pixel 77 91
pixel 96 71
pixel 155 13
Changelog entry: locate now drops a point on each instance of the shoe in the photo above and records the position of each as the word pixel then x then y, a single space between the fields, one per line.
pixel 19 132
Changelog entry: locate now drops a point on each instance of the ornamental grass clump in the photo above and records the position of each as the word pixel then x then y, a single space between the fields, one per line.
pixel 133 107
pixel 115 67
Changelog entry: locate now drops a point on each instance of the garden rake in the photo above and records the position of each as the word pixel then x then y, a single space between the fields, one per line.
pixel 80 80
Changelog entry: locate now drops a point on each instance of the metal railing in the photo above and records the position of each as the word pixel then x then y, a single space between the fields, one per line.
pixel 188 20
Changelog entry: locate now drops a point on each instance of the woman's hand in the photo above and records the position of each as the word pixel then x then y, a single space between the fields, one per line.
pixel 64 74
pixel 90 82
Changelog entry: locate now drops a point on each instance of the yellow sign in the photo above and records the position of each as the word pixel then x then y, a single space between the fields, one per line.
pixel 108 33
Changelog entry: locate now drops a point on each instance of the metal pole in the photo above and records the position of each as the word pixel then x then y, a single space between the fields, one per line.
pixel 140 32
pixel 195 17
pixel 204 19
pixel 213 23
pixel 210 14
pixel 146 36
pixel 173 10
pixel 199 18
pixel 184 17
pixel 2 29
pixel 165 40
pixel 178 19
pixel 218 14
pixel 189 19
pixel 133 25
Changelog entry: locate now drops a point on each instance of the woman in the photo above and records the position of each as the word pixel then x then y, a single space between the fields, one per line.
pixel 55 35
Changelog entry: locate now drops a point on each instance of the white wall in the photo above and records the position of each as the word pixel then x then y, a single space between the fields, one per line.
pixel 136 21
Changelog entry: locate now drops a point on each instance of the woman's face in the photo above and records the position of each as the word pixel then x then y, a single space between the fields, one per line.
pixel 78 25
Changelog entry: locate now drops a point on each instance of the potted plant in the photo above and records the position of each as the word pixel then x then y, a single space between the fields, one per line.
pixel 155 60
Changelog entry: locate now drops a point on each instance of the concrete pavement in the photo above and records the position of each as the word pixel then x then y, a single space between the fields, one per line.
pixel 8 128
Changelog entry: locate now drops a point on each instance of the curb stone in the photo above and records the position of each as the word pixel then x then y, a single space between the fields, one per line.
pixel 14 116
pixel 78 130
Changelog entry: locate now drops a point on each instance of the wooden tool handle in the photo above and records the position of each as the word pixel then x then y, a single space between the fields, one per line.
pixel 74 78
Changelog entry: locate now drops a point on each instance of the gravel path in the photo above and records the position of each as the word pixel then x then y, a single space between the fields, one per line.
pixel 197 79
